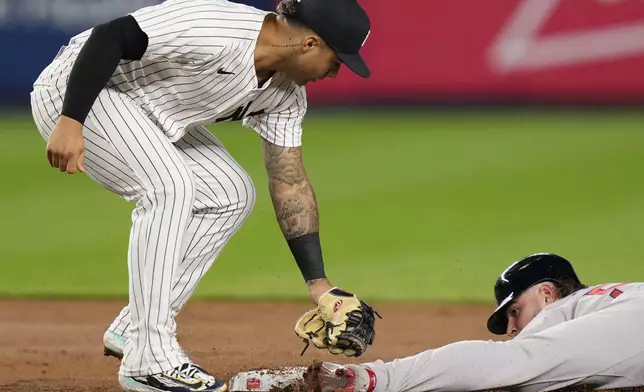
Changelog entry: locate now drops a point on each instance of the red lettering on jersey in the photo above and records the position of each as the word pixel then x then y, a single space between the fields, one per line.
pixel 613 290
pixel 616 293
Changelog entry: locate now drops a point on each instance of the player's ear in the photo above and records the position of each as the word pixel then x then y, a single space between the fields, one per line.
pixel 548 293
pixel 310 43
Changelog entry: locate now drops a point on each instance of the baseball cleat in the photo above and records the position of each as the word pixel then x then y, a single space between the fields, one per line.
pixel 185 378
pixel 331 377
pixel 113 344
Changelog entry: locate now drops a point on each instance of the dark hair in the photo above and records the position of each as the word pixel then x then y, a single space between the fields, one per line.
pixel 566 287
pixel 286 8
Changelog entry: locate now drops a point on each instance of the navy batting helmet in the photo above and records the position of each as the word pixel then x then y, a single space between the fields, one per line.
pixel 523 274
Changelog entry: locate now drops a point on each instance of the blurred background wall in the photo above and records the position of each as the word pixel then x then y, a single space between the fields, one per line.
pixel 545 51
pixel 438 51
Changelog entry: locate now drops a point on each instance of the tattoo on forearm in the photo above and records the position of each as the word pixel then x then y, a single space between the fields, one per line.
pixel 292 194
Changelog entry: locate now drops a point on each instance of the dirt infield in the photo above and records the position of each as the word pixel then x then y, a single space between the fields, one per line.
pixel 57 345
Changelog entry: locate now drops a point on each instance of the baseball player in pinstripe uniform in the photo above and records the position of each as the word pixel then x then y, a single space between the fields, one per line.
pixel 126 103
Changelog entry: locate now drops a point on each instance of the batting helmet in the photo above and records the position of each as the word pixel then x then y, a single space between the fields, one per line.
pixel 523 274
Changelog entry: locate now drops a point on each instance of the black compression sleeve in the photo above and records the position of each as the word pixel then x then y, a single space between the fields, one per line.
pixel 108 43
pixel 308 255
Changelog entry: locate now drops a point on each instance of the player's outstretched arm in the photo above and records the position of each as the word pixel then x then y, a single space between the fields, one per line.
pixel 341 323
pixel 296 210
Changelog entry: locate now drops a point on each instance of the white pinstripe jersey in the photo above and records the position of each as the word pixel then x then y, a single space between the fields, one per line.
pixel 199 69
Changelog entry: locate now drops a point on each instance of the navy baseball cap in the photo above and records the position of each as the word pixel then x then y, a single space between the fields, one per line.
pixel 520 276
pixel 342 24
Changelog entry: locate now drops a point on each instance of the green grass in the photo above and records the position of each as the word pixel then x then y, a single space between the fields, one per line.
pixel 414 206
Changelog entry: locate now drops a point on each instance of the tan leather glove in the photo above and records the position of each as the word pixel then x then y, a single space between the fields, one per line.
pixel 310 327
pixel 341 323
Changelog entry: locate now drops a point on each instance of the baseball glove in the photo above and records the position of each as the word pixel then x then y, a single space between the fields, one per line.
pixel 341 323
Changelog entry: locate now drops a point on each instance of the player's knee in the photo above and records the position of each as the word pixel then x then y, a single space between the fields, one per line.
pixel 178 186
pixel 232 192
pixel 244 199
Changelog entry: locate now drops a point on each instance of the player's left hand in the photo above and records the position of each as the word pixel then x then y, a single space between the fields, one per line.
pixel 341 323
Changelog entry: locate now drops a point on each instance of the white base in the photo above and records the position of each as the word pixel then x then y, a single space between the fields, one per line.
pixel 265 380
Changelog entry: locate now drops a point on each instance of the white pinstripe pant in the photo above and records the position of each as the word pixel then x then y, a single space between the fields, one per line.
pixel 191 197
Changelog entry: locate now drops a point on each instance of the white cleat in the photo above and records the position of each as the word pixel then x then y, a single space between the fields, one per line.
pixel 113 345
pixel 185 378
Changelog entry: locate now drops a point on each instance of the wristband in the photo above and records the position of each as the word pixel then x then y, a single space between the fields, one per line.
pixel 307 252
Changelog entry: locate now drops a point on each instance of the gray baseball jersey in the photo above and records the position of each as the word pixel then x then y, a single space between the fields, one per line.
pixel 592 338
pixel 145 141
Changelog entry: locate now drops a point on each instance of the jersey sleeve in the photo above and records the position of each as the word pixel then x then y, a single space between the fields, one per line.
pixel 195 29
pixel 283 125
